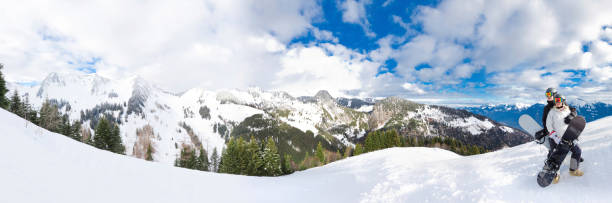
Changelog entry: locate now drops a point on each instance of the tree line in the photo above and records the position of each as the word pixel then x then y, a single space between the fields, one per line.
pixel 378 140
pixel 253 158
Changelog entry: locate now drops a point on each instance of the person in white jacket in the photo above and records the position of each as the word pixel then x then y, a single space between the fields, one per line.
pixel 557 122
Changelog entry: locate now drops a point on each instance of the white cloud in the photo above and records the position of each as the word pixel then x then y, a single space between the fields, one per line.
pixel 532 78
pixel 228 44
pixel 387 2
pixel 413 88
pixel 464 71
pixel 413 53
pixel 451 19
pixel 324 35
pixel 354 11
pixel 602 75
pixel 306 70
pixel 216 44
pixel 516 41
pixel 385 51
pixel 607 34
pixel 409 31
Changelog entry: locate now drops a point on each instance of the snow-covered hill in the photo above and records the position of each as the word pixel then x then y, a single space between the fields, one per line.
pixel 39 166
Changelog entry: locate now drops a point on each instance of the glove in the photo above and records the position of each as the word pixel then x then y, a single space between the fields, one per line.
pixel 540 141
pixel 569 117
pixel 572 109
pixel 540 134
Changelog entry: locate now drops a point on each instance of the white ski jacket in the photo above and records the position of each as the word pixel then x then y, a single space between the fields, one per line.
pixel 555 122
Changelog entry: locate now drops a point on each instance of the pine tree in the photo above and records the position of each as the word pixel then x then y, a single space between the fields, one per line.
pixel 287 169
pixel 108 137
pixel 149 154
pixel 378 140
pixel 242 156
pixel 203 160
pixel 421 142
pixel 320 155
pixel 220 161
pixel 358 150
pixel 395 138
pixel 214 161
pixel 272 164
pixel 65 127
pixel 477 150
pixel 347 152
pixel 228 162
pixel 369 142
pixel 186 159
pixel 192 162
pixel 115 143
pixel 103 131
pixel 76 131
pixel 256 162
pixel 50 118
pixel 4 102
pixel 30 114
pixel 15 105
pixel 304 165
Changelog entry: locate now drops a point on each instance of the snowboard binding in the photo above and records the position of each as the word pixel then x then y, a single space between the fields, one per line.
pixel 549 174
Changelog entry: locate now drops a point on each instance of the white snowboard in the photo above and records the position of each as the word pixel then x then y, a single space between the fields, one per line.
pixel 531 126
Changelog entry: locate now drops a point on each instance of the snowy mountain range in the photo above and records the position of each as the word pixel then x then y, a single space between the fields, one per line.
pixel 207 118
pixel 40 166
pixel 509 114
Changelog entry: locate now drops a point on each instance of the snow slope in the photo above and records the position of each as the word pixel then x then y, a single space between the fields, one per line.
pixel 39 166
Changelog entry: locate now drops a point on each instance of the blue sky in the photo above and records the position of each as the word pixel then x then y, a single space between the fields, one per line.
pixel 450 52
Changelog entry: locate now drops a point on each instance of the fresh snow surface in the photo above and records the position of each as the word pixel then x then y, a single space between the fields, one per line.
pixel 472 124
pixel 39 166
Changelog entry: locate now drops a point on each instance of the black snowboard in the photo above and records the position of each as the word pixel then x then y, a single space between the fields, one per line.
pixel 545 177
pixel 574 129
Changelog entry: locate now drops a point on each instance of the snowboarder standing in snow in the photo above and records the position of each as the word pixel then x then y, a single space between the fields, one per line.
pixel 540 136
pixel 557 122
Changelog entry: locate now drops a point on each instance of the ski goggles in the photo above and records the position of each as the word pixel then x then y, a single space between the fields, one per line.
pixel 558 100
pixel 549 94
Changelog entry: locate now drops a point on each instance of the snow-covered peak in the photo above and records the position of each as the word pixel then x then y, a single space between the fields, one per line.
pixel 522 105
pixel 323 96
pixel 93 83
pixel 580 103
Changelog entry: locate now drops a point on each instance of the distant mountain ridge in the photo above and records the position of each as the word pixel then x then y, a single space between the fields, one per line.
pixel 509 113
pixel 205 118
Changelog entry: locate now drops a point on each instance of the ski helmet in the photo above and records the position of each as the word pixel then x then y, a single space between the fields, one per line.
pixel 559 98
pixel 551 92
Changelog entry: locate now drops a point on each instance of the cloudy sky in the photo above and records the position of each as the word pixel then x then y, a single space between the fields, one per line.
pixel 446 52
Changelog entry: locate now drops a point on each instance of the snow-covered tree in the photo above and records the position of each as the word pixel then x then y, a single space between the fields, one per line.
pixel 272 164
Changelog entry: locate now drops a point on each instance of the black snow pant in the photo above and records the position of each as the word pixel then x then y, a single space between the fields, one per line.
pixel 559 152
pixel 553 145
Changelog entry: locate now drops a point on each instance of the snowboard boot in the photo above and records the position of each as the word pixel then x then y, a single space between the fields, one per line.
pixel 556 180
pixel 576 172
